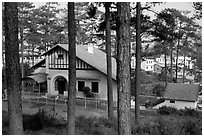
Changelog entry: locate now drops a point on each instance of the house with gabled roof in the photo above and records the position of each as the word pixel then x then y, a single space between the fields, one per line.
pixel 180 96
pixel 91 70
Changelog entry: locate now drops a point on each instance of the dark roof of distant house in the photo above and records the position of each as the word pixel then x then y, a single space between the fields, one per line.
pixel 97 59
pixel 180 91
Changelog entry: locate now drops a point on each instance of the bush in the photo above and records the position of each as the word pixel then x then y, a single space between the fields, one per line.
pixel 32 122
pixel 53 130
pixel 164 110
pixel 191 127
pixel 182 112
pixel 191 112
pixel 95 126
pixel 163 127
pixel 40 120
pixel 145 129
pixel 87 93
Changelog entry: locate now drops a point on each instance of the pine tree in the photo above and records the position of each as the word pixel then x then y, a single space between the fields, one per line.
pixel 123 68
pixel 13 68
pixel 109 64
pixel 138 63
pixel 72 70
pixel 23 15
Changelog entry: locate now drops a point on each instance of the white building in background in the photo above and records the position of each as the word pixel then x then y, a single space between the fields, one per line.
pixel 188 62
pixel 148 64
pixel 161 60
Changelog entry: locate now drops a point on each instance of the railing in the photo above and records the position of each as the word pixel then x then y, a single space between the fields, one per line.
pixel 62 100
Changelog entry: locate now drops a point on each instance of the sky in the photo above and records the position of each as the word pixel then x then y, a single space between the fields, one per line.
pixel 177 5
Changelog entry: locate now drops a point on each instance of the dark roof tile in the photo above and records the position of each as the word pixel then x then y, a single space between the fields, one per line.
pixel 180 91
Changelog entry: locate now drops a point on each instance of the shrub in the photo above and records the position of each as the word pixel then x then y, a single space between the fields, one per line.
pixel 87 93
pixel 39 120
pixel 169 126
pixel 163 127
pixel 191 127
pixel 32 122
pixel 141 130
pixel 191 112
pixel 95 126
pixel 109 123
pixel 145 129
pixel 182 112
pixel 167 110
pixel 53 130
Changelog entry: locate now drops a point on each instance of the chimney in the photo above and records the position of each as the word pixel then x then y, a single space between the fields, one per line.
pixel 90 48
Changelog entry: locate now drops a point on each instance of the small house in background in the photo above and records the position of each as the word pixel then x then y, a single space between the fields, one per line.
pixel 91 70
pixel 180 96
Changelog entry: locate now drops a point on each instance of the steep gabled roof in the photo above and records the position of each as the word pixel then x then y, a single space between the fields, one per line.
pixel 38 64
pixel 180 91
pixel 97 59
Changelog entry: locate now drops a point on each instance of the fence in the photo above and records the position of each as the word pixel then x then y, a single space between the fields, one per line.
pixel 62 100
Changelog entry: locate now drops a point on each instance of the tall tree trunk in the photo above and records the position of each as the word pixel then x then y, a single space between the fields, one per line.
pixel 3 58
pixel 22 58
pixel 165 60
pixel 33 54
pixel 123 67
pixel 72 70
pixel 138 64
pixel 109 64
pixel 28 57
pixel 13 68
pixel 171 58
pixel 184 66
pixel 177 53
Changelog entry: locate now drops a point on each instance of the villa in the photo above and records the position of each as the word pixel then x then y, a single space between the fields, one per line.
pixel 91 71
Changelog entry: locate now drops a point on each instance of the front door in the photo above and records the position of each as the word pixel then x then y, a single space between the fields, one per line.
pixel 61 82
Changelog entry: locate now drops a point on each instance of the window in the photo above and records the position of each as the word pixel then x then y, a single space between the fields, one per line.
pixel 172 101
pixel 81 84
pixel 60 56
pixel 94 87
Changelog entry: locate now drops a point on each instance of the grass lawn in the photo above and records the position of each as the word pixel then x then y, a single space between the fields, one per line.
pixel 95 122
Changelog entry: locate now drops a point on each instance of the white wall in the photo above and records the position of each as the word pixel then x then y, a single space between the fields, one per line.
pixel 88 75
pixel 188 61
pixel 177 104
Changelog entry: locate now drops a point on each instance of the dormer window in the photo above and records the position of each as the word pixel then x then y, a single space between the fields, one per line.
pixel 60 56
